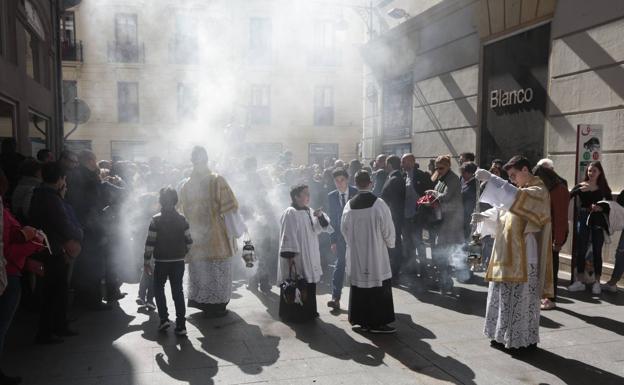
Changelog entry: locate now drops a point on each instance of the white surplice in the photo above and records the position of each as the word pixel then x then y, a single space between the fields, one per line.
pixel 299 234
pixel 369 232
pixel 513 308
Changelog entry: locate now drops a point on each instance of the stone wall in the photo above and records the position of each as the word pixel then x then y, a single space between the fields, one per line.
pixel 587 87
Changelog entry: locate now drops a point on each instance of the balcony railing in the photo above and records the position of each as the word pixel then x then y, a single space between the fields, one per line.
pixel 72 51
pixel 126 52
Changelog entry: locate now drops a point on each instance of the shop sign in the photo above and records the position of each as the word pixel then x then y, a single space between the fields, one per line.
pixel 501 98
pixel 588 147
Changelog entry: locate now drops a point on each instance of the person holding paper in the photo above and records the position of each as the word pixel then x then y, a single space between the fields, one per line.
pixel 520 269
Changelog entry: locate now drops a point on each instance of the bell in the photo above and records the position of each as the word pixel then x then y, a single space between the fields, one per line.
pixel 248 254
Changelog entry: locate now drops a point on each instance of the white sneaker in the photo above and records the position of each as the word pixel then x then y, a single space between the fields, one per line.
pixel 610 288
pixel 596 288
pixel 577 286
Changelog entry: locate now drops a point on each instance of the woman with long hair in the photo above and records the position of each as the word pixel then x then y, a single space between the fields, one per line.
pixel 559 200
pixel 591 190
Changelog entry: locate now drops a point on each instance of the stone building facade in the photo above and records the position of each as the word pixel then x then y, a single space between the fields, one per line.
pixel 434 83
pixel 271 75
pixel 29 75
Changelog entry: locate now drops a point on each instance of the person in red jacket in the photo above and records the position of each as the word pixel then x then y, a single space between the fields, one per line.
pixel 18 244
pixel 559 201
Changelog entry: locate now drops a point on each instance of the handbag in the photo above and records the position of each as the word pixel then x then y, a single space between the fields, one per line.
pixel 431 210
pixel 294 290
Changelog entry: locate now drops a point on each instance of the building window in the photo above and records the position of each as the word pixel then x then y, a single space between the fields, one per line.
pixel 260 108
pixel 185 45
pixel 324 52
pixel 128 102
pixel 128 150
pixel 260 31
pixel 38 126
pixel 187 101
pixel 31 53
pixel 7 119
pixel 70 48
pixel 125 49
pixel 70 91
pixel 397 107
pixel 324 106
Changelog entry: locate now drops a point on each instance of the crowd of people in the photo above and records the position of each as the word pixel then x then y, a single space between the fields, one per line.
pixel 75 229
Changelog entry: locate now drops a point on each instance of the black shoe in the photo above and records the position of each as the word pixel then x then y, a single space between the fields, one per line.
pixel 334 304
pixel 497 345
pixel 164 325
pixel 48 340
pixel 384 329
pixel 180 331
pixel 7 380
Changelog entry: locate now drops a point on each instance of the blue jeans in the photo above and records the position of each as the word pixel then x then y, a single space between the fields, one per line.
pixel 174 271
pixel 585 234
pixel 8 304
pixel 618 270
pixel 339 270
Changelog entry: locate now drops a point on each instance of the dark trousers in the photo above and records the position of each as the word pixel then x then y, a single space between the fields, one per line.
pixel 585 234
pixel 618 269
pixel 53 317
pixel 89 270
pixel 555 272
pixel 396 254
pixel 413 239
pixel 339 271
pixel 8 304
pixel 174 271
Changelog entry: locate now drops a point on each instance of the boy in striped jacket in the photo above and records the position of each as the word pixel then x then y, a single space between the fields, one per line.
pixel 168 242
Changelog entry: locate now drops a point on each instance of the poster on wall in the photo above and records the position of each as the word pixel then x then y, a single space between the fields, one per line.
pixel 588 147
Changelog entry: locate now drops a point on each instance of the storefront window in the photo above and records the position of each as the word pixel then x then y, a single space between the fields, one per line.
pixel 7 120
pixel 38 128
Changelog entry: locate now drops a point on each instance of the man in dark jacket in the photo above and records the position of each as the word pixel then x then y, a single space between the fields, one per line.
pixel 337 202
pixel 393 193
pixel 84 195
pixel 380 175
pixel 416 183
pixel 469 194
pixel 47 212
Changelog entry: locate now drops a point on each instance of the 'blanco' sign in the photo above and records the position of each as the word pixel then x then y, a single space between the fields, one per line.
pixel 500 98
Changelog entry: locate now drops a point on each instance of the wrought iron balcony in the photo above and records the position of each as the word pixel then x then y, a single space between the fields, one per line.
pixel 72 51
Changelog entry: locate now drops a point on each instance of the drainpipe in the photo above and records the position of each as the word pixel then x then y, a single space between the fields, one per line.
pixel 56 136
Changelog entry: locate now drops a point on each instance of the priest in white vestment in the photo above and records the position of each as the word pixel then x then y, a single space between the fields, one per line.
pixel 211 209
pixel 369 232
pixel 299 252
pixel 520 268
